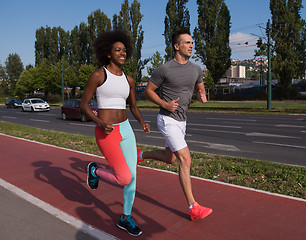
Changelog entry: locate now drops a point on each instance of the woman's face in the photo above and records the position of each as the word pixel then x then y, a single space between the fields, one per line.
pixel 118 53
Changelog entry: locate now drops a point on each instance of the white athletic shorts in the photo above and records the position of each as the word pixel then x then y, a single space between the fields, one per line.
pixel 173 131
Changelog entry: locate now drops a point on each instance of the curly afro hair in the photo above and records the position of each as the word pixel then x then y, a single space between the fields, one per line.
pixel 104 42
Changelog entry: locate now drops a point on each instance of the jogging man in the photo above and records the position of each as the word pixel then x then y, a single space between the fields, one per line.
pixel 177 79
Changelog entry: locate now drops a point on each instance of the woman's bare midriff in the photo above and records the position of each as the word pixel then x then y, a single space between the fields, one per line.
pixel 112 116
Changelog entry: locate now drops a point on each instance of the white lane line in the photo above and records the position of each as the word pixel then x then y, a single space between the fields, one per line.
pixel 38 120
pixel 133 120
pixel 74 222
pixel 281 145
pixel 9 117
pixel 290 126
pixel 47 114
pixel 257 134
pixel 233 119
pixel 141 130
pixel 209 125
pixel 217 146
pixel 218 131
pixel 83 124
pixel 252 134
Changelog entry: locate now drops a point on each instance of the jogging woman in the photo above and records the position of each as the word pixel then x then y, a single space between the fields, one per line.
pixel 113 132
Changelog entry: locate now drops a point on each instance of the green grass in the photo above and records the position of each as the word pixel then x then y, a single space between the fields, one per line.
pixel 272 177
pixel 241 106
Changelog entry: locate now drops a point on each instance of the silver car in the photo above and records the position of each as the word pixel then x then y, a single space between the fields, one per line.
pixel 35 104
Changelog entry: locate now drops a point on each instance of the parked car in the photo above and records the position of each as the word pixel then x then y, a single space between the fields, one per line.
pixel 13 103
pixel 71 109
pixel 35 104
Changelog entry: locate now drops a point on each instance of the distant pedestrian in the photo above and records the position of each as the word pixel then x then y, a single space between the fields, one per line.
pixel 177 80
pixel 113 132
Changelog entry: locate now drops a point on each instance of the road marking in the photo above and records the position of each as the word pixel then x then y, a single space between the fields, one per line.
pixel 47 114
pixel 9 117
pixel 217 146
pixel 252 134
pixel 133 120
pixel 83 124
pixel 218 131
pixel 257 134
pixel 141 130
pixel 281 145
pixel 233 119
pixel 38 120
pixel 208 125
pixel 290 126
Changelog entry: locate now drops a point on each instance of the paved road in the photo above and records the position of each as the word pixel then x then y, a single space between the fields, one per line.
pixel 265 137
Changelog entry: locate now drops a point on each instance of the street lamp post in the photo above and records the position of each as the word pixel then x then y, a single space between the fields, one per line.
pixel 269 83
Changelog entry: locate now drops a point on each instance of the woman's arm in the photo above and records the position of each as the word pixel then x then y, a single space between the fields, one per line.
pixel 93 82
pixel 133 107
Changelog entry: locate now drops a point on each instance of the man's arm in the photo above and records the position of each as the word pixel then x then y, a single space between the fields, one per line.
pixel 151 95
pixel 200 92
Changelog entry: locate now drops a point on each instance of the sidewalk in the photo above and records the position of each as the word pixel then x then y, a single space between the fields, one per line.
pixel 58 177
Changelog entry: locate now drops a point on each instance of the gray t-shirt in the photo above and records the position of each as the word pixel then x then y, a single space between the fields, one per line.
pixel 177 81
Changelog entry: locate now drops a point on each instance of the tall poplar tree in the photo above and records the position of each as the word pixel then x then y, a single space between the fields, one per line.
pixel 98 22
pixel 287 27
pixel 177 16
pixel 211 37
pixel 78 53
pixel 129 20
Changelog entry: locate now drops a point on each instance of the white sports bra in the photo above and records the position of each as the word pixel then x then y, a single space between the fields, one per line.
pixel 113 92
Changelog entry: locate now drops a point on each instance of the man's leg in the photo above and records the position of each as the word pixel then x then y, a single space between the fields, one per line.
pixel 165 155
pixel 184 158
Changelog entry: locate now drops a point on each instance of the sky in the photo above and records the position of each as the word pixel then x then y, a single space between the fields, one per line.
pixel 20 19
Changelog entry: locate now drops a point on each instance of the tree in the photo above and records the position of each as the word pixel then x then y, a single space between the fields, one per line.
pixel 79 47
pixel 47 78
pixel 98 22
pixel 261 51
pixel 302 53
pixel 3 80
pixel 129 20
pixel 51 44
pixel 212 37
pixel 177 17
pixel 286 33
pixel 156 61
pixel 14 68
pixel 85 72
pixel 27 83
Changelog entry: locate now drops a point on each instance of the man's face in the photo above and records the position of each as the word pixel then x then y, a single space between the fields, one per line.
pixel 184 45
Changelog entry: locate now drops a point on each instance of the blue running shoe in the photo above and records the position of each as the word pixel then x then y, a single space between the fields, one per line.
pixel 92 178
pixel 129 225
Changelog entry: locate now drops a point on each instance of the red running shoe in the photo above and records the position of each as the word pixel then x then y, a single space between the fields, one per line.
pixel 138 152
pixel 198 211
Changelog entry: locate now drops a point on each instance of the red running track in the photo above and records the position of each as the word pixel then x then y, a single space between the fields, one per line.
pixel 58 177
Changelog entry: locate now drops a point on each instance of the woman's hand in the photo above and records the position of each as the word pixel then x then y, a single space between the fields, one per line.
pixel 146 127
pixel 106 127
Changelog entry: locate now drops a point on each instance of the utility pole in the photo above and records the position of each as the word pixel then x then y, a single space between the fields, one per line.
pixel 269 82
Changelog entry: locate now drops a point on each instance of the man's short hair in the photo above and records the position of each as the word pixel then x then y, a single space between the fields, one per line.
pixel 177 34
